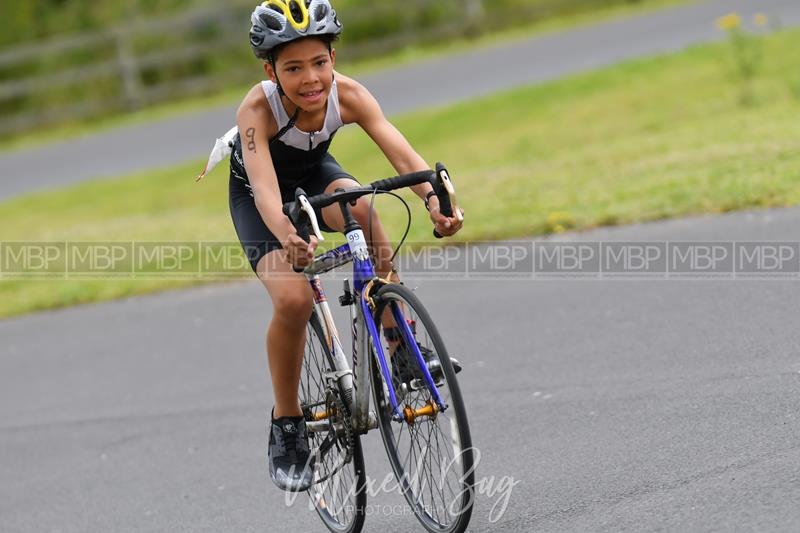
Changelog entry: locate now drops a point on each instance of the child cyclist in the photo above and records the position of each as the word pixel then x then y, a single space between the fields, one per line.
pixel 285 126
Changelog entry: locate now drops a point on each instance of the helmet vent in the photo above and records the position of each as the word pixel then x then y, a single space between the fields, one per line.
pixel 320 12
pixel 295 10
pixel 271 21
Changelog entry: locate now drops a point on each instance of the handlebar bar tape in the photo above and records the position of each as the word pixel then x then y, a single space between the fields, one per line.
pixel 406 180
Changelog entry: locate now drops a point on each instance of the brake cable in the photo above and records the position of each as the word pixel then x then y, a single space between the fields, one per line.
pixel 376 192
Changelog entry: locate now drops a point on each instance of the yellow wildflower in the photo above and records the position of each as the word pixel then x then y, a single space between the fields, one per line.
pixel 760 19
pixel 560 221
pixel 729 22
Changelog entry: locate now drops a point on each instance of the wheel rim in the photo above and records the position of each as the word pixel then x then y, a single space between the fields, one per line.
pixel 336 499
pixel 431 460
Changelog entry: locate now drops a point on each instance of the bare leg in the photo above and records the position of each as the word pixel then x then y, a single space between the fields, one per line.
pixel 380 246
pixel 292 303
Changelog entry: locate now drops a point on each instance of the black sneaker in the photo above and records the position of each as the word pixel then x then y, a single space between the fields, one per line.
pixel 291 465
pixel 405 369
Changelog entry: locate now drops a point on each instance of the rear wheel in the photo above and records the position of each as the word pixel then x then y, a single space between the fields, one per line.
pixel 430 450
pixel 339 491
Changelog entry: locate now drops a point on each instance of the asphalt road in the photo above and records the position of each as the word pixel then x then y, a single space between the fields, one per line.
pixel 610 405
pixel 430 83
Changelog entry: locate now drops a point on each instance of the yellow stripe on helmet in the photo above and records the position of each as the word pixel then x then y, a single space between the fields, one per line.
pixel 284 7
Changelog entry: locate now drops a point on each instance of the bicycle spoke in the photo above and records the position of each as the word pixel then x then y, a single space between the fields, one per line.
pixel 438 472
pixel 451 460
pixel 336 494
pixel 427 453
pixel 430 482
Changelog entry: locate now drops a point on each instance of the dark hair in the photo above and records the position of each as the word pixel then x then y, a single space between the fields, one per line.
pixel 327 39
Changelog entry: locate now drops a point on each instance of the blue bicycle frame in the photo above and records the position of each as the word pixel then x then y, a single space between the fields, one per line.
pixel 363 273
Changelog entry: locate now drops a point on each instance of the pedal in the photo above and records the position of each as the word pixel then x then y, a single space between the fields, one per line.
pixel 433 367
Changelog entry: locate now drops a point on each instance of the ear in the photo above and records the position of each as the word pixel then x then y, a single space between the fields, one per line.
pixel 333 57
pixel 270 72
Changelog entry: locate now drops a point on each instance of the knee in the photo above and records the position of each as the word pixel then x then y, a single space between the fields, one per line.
pixel 361 212
pixel 294 307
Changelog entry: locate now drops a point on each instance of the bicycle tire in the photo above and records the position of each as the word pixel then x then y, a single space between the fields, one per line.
pixel 452 517
pixel 339 500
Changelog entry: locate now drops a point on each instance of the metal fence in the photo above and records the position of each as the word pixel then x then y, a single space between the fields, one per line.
pixel 205 50
pixel 122 68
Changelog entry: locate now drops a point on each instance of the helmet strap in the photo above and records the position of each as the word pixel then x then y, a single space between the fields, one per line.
pixel 275 71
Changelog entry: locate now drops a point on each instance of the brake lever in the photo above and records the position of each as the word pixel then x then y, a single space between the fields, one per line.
pixel 447 183
pixel 446 192
pixel 305 206
pixel 301 214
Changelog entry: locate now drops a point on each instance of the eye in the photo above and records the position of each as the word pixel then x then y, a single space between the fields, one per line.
pixel 322 62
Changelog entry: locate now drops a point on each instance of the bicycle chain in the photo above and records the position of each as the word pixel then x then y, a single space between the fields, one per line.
pixel 344 416
pixel 348 430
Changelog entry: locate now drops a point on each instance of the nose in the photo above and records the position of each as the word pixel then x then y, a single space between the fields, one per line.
pixel 310 76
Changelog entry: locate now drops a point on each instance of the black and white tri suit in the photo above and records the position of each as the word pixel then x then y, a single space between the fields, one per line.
pixel 301 159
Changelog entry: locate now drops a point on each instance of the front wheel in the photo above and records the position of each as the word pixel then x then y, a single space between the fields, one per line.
pixel 430 450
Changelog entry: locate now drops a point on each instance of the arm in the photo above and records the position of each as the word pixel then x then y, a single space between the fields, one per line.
pixel 361 107
pixel 255 123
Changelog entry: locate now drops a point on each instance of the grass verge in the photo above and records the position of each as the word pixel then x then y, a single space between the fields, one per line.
pixel 642 141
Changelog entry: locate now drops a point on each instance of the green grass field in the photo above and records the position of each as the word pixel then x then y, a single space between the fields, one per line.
pixel 642 141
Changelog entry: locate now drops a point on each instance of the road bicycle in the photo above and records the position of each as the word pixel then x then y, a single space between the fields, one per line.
pixel 396 349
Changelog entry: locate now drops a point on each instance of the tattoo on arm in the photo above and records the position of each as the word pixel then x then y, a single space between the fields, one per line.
pixel 251 139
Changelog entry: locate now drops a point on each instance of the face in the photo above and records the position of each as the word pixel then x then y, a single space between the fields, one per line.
pixel 305 70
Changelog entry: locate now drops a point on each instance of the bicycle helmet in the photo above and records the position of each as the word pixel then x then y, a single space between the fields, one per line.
pixel 277 22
